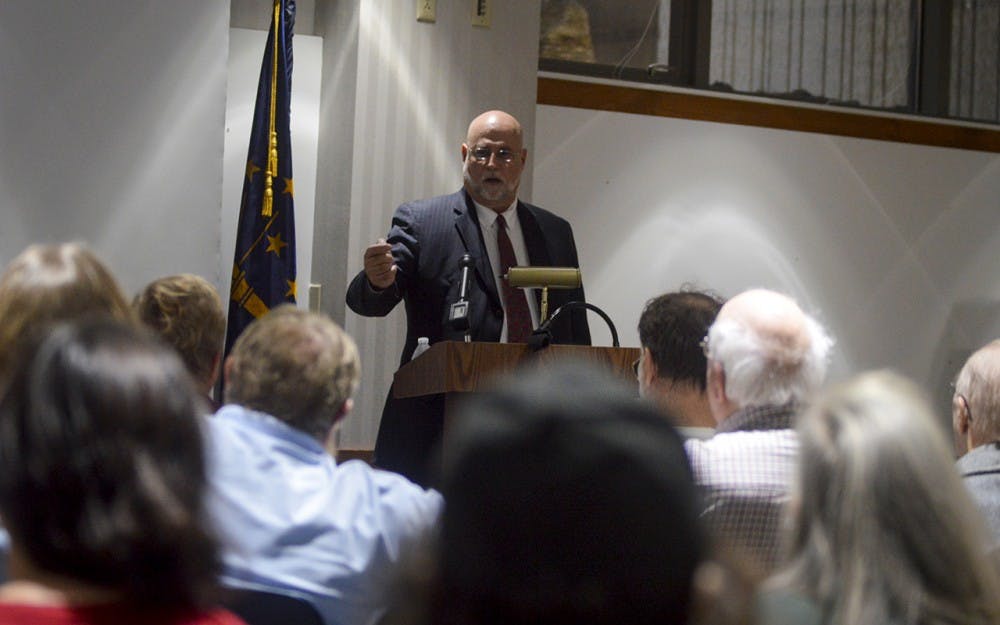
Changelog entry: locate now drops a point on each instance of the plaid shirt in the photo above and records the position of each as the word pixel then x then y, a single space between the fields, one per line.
pixel 745 473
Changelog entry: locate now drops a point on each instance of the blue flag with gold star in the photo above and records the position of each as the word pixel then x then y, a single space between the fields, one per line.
pixel 264 263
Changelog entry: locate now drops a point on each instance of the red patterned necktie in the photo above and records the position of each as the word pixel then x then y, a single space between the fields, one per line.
pixel 514 303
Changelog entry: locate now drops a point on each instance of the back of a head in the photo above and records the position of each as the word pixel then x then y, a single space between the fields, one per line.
pixel 567 502
pixel 979 383
pixel 186 312
pixel 672 327
pixel 101 467
pixel 297 366
pixel 46 284
pixel 883 529
pixel 772 352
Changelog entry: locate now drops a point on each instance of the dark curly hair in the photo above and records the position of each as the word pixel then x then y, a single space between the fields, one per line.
pixel 672 326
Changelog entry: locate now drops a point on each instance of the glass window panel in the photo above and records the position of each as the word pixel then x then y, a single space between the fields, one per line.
pixel 846 52
pixel 852 52
pixel 609 33
pixel 975 60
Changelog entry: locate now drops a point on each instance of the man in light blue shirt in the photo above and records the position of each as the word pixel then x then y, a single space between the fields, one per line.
pixel 290 518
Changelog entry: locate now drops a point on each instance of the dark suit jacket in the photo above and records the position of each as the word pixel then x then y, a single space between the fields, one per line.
pixel 428 240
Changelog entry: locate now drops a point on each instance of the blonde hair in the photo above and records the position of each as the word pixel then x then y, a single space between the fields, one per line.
pixel 46 284
pixel 185 310
pixel 294 365
pixel 883 531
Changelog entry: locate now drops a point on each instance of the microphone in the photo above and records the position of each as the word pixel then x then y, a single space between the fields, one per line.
pixel 542 337
pixel 458 315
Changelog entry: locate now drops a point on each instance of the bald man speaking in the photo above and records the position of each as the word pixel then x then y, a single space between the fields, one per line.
pixel 419 263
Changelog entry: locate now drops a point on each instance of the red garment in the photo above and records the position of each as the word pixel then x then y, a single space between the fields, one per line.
pixel 107 614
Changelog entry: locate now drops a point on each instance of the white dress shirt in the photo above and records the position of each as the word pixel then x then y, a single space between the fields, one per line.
pixel 488 224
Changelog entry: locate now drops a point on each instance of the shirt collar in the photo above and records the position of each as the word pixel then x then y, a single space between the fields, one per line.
pixel 981 460
pixel 268 424
pixel 487 216
pixel 759 418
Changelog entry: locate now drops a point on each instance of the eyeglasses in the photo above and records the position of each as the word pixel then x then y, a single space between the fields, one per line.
pixel 635 366
pixel 482 155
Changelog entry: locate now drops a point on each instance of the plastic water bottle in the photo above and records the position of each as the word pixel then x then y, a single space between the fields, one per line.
pixel 423 344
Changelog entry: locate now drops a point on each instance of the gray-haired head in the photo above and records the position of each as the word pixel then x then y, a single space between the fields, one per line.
pixel 764 350
pixel 976 402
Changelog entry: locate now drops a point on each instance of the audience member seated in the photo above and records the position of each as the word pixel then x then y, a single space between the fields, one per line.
pixel 292 519
pixel 975 410
pixel 101 485
pixel 671 367
pixel 568 503
pixel 186 312
pixel 881 531
pixel 45 284
pixel 766 357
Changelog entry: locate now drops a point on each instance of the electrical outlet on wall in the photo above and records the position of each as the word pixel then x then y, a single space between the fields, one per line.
pixel 426 10
pixel 481 13
pixel 315 297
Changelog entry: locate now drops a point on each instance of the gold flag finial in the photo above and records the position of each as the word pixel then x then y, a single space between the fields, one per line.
pixel 272 156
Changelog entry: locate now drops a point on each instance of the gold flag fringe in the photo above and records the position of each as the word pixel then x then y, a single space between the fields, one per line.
pixel 272 156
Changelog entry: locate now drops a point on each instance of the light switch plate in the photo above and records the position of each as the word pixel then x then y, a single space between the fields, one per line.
pixel 482 13
pixel 426 10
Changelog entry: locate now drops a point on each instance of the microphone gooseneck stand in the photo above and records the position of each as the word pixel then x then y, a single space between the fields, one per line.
pixel 542 337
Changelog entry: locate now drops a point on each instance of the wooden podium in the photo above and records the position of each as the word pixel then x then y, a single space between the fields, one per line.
pixel 453 368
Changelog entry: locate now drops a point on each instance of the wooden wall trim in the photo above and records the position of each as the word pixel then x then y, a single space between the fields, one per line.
pixel 752 112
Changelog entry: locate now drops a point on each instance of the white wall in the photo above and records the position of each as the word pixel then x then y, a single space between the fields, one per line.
pixel 111 120
pixel 893 246
pixel 257 15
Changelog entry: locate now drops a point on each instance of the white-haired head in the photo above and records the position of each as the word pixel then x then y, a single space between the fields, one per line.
pixel 976 402
pixel 767 351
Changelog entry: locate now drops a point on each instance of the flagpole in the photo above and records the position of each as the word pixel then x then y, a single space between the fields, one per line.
pixel 272 156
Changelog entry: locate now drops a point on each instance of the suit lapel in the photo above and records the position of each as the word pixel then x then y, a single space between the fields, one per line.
pixel 467 224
